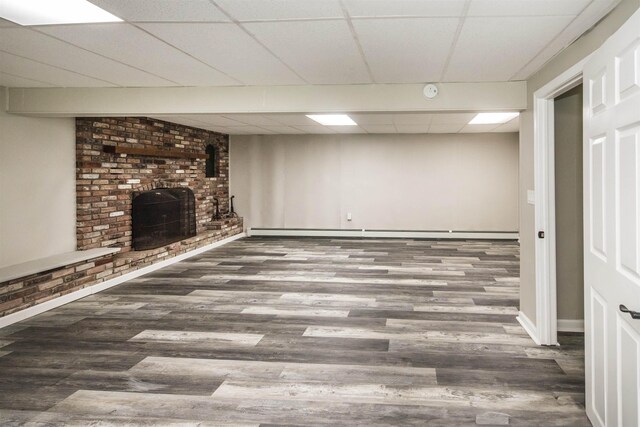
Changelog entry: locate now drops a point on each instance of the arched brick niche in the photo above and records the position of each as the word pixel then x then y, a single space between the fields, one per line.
pixel 174 156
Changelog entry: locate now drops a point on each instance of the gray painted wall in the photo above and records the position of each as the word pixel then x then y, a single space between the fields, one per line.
pixel 569 230
pixel 388 182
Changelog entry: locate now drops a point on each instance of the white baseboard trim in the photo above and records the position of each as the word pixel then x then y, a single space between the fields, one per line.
pixel 90 290
pixel 568 325
pixel 528 326
pixel 309 232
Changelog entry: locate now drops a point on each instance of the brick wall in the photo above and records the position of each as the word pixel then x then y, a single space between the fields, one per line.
pixel 105 181
pixel 105 186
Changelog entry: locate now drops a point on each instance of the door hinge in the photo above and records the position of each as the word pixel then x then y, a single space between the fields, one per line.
pixel 541 234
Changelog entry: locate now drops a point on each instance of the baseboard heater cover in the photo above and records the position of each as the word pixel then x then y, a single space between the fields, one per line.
pixel 406 234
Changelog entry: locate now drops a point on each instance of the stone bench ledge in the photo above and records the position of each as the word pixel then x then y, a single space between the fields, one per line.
pixel 53 262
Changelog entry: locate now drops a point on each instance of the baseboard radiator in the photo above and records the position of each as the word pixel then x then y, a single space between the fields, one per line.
pixel 366 233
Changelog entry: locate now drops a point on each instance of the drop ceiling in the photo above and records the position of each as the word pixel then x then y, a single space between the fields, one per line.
pixel 265 124
pixel 295 42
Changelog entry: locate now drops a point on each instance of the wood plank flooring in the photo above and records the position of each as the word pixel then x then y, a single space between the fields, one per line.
pixel 274 331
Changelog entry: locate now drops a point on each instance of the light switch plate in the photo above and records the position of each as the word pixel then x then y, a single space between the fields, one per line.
pixel 531 197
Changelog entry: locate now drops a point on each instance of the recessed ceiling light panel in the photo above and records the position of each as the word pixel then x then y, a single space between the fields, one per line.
pixel 492 118
pixel 332 119
pixel 51 12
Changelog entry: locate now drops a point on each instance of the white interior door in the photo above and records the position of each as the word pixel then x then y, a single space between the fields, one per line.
pixel 612 228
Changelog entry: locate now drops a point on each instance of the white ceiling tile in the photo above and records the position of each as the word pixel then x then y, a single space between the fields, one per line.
pixel 493 49
pixel 254 119
pixel 406 50
pixel 511 126
pixel 323 52
pixel 247 130
pixel 251 10
pixel 379 128
pixel 265 124
pixel 9 80
pixel 125 43
pixel 526 7
pixel 372 118
pixel 405 128
pixel 180 120
pixel 478 128
pixel 28 69
pixel 31 44
pixel 213 128
pixel 314 129
pixel 347 129
pixel 378 8
pixel 218 129
pixel 293 119
pixel 283 130
pixel 587 19
pixel 451 118
pixel 445 128
pixel 162 10
pixel 419 119
pixel 213 119
pixel 227 48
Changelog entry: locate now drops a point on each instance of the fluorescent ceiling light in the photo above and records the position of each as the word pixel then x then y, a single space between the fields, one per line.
pixel 492 118
pixel 332 119
pixel 50 12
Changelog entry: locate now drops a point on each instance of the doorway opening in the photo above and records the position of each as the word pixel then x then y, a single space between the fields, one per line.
pixel 544 329
pixel 569 210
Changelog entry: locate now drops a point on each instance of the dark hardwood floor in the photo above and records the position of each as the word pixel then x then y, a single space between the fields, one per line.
pixel 267 331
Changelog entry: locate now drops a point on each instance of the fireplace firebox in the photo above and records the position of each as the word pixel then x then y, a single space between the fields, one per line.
pixel 162 216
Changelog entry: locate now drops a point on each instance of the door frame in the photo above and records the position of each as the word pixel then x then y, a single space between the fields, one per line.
pixel 545 331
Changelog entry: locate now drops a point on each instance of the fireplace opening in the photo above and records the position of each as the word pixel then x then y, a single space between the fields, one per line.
pixel 162 216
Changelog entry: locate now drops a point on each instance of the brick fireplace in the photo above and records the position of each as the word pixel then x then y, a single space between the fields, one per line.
pixel 121 155
pixel 116 159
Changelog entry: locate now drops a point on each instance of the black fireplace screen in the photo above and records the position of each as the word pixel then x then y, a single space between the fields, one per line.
pixel 162 216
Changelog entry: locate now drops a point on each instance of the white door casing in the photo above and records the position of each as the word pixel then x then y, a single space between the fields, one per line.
pixel 612 228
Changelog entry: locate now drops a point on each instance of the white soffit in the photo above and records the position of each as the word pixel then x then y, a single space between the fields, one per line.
pixel 5 23
pixel 372 119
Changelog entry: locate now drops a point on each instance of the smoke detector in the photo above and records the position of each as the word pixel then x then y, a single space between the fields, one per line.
pixel 430 91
